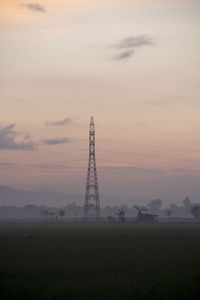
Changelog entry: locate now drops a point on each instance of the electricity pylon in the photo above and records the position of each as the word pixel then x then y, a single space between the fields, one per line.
pixel 92 206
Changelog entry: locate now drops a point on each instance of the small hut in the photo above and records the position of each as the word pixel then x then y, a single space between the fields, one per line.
pixel 144 217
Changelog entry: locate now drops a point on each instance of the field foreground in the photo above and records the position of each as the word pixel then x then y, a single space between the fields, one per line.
pixel 99 261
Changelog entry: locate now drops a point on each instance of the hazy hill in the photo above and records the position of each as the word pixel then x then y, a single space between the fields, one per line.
pixel 17 197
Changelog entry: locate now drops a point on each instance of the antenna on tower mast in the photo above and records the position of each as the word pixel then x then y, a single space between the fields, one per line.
pixel 92 206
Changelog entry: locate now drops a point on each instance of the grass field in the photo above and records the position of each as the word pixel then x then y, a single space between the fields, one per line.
pixel 99 261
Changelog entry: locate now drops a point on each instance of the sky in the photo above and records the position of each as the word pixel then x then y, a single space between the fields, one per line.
pixel 132 65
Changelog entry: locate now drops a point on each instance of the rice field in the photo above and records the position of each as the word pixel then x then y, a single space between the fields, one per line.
pixel 99 261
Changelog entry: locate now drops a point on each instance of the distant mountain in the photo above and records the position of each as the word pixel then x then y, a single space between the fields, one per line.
pixel 17 197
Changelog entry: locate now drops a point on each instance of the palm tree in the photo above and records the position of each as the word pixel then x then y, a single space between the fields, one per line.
pixel 195 210
pixel 121 214
pixel 61 213
pixel 168 212
pixel 52 214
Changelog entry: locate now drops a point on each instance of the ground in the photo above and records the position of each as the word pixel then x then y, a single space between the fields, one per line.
pixel 99 261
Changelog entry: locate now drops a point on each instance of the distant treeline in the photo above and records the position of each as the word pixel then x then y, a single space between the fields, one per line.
pixel 187 210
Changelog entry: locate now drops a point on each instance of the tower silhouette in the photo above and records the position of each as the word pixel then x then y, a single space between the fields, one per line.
pixel 92 206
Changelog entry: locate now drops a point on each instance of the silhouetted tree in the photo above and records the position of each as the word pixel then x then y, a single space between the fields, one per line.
pixel 44 213
pixel 52 215
pixel 168 212
pixel 61 213
pixel 187 203
pixel 155 205
pixel 141 209
pixel 195 210
pixel 121 214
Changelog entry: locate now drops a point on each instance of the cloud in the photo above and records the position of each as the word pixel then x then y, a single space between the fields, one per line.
pixel 8 139
pixel 56 141
pixel 133 42
pixel 63 122
pixel 37 7
pixel 129 44
pixel 123 55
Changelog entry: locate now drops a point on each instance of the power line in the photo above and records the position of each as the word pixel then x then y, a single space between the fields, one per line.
pixel 32 153
pixel 151 146
pixel 149 155
pixel 101 167
pixel 39 153
pixel 111 151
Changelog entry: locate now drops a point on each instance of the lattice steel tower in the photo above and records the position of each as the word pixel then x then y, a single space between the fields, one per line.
pixel 92 206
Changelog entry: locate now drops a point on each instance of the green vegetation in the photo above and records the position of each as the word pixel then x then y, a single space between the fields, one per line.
pixel 99 261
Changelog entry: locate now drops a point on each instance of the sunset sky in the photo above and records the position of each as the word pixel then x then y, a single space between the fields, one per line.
pixel 133 65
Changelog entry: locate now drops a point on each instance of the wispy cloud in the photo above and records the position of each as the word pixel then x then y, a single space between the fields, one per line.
pixel 56 141
pixel 63 122
pixel 125 48
pixel 133 41
pixel 37 7
pixel 8 139
pixel 123 55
